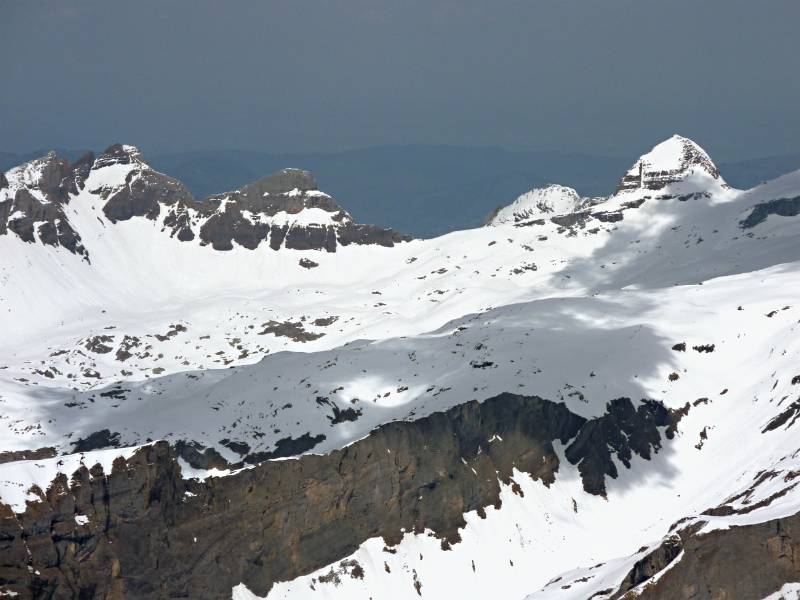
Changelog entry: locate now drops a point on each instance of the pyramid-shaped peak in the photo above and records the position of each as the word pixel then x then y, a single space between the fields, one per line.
pixel 669 162
pixel 676 152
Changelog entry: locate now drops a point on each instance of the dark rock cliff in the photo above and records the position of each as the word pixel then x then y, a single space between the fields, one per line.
pixel 783 207
pixel 37 212
pixel 740 563
pixel 144 532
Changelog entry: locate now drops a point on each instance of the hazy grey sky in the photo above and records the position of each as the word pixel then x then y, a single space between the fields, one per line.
pixel 603 77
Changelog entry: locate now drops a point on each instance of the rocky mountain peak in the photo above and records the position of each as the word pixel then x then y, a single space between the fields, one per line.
pixel 54 177
pixel 282 210
pixel 671 161
pixel 32 199
pixel 50 177
pixel 288 190
pixel 119 154
pixel 285 210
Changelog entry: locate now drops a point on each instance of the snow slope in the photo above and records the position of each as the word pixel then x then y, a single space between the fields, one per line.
pixel 590 351
pixel 572 300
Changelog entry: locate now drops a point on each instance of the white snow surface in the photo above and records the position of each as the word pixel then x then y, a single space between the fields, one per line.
pixel 790 591
pixel 666 156
pixel 158 339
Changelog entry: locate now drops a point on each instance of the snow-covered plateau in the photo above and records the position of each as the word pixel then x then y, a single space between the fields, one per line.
pixel 232 360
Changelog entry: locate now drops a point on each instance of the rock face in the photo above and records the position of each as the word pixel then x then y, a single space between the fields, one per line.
pixel 32 199
pixel 651 565
pixel 281 210
pixel 622 431
pixel 669 162
pixel 746 563
pixel 784 207
pixel 144 192
pixel 142 531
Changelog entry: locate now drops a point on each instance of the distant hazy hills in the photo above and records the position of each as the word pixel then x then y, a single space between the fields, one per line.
pixel 747 173
pixel 421 190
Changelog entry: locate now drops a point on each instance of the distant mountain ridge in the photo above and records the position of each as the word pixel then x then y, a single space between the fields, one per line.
pixel 43 199
pixel 422 190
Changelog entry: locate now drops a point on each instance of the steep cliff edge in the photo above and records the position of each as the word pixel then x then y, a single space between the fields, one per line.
pixel 142 531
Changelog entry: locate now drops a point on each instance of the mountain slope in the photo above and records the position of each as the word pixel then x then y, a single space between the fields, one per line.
pixel 432 417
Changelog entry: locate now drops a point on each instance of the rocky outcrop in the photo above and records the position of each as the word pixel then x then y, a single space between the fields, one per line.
pixel 622 431
pixel 357 233
pixel 747 562
pixel 15 455
pixel 783 207
pixel 651 564
pixel 264 212
pixel 118 154
pixel 32 201
pixel 144 194
pixel 787 417
pixel 142 531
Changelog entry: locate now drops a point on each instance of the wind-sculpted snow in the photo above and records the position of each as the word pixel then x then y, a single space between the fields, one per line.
pixel 183 323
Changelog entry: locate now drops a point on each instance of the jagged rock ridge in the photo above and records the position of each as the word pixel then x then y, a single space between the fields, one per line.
pixel 285 209
pixel 32 199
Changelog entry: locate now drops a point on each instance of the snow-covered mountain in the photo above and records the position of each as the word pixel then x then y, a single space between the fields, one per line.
pixel 44 200
pixel 541 203
pixel 585 398
pixel 671 162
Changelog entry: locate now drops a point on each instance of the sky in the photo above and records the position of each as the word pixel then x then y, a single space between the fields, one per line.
pixel 609 77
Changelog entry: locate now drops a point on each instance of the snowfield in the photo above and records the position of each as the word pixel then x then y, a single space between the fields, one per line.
pixel 686 292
